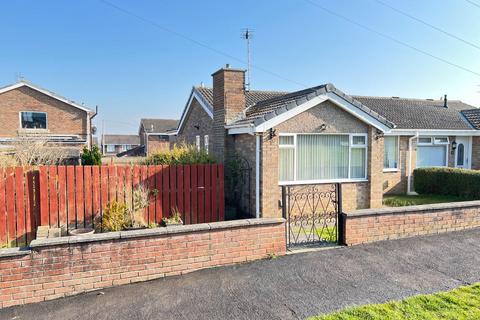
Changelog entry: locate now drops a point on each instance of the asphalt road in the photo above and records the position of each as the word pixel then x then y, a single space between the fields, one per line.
pixel 290 287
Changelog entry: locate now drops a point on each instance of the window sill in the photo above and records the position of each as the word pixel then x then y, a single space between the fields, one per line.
pixel 305 182
pixel 391 170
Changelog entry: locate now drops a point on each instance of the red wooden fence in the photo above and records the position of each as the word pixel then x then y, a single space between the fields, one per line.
pixel 76 196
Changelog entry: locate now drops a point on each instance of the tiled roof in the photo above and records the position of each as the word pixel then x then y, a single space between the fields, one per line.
pixel 419 113
pixel 252 97
pixel 473 116
pixel 398 113
pixel 121 139
pixel 159 125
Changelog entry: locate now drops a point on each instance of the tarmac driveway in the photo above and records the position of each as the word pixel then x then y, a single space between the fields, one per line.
pixel 291 287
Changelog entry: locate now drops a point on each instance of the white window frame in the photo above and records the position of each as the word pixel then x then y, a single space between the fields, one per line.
pixel 32 111
pixel 206 143
pixel 351 146
pixel 398 157
pixel 197 143
pixel 435 143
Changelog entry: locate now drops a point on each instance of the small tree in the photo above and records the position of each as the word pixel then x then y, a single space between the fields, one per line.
pixel 91 157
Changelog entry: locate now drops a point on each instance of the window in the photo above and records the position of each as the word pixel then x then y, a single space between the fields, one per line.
pixel 432 152
pixel 390 153
pixel 33 120
pixel 110 148
pixel 314 157
pixel 205 142
pixel 460 154
pixel 197 142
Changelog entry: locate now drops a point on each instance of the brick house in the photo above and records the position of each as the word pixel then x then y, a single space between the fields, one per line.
pixel 28 111
pixel 321 135
pixel 113 144
pixel 157 134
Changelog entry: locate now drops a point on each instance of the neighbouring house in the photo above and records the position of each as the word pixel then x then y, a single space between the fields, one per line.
pixel 30 112
pixel 157 135
pixel 322 135
pixel 113 144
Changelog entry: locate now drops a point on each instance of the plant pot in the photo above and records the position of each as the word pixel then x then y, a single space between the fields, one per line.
pixel 81 232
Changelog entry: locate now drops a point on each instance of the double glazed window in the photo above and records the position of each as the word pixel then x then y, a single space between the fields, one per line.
pixel 320 157
pixel 33 120
pixel 432 152
pixel 390 154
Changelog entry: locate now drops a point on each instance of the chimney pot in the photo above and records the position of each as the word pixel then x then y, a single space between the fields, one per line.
pixel 227 66
pixel 445 101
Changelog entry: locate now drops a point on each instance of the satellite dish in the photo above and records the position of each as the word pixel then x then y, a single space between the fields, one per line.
pixel 94 129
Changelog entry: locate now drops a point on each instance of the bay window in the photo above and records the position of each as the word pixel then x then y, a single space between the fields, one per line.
pixel 390 153
pixel 432 152
pixel 322 157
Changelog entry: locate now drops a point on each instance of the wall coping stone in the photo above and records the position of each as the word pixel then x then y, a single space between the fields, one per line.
pixel 13 252
pixel 140 233
pixel 409 209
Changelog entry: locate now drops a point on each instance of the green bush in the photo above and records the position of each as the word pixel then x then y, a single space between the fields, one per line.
pixel 91 157
pixel 447 181
pixel 183 154
pixel 114 216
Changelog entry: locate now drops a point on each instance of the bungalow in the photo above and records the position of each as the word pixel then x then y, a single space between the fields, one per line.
pixel 112 144
pixel 322 135
pixel 157 134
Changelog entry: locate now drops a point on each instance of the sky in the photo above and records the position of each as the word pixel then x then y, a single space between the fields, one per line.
pixel 140 59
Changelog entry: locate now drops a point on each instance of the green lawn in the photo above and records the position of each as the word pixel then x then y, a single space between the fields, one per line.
pixel 407 200
pixel 458 304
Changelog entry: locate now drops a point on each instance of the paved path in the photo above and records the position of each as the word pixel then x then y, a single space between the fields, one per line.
pixel 291 287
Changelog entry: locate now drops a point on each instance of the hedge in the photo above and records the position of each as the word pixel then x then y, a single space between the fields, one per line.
pixel 447 181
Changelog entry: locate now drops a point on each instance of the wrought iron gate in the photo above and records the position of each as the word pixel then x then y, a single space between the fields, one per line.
pixel 312 213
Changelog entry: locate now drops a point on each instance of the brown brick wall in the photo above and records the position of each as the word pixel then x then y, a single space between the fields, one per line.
pixel 228 104
pixel 157 144
pixel 61 117
pixel 355 195
pixel 366 226
pixel 396 182
pixel 56 271
pixel 476 153
pixel 196 116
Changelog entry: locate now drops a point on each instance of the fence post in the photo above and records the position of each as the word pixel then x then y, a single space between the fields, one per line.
pixel 284 214
pixel 340 224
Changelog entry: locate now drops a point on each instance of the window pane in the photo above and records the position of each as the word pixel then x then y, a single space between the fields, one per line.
pixel 322 157
pixel 390 157
pixel 286 140
pixel 286 164
pixel 358 164
pixel 34 120
pixel 424 140
pixel 358 140
pixel 441 140
pixel 431 156
pixel 460 154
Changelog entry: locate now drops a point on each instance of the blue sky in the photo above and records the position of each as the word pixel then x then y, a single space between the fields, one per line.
pixel 92 53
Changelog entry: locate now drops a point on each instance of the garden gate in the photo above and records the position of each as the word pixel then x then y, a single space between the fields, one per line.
pixel 312 213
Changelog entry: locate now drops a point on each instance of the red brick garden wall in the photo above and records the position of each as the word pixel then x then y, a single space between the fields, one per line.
pixel 60 267
pixel 369 225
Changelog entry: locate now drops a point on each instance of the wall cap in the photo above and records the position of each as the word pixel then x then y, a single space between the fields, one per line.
pixel 130 234
pixel 409 209
pixel 13 252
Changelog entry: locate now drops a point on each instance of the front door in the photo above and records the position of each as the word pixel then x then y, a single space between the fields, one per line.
pixel 462 152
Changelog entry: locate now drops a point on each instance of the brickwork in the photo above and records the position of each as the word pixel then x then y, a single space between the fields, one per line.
pixel 371 225
pixel 395 182
pixel 228 104
pixel 157 144
pixel 375 168
pixel 355 195
pixel 61 117
pixel 476 153
pixel 196 117
pixel 71 265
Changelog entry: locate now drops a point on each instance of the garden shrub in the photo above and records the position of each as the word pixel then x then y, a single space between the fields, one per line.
pixel 114 216
pixel 180 154
pixel 91 157
pixel 447 181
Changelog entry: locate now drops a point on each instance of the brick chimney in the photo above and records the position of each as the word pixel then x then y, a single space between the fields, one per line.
pixel 228 104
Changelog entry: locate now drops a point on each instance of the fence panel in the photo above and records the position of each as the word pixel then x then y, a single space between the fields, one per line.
pixel 75 196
